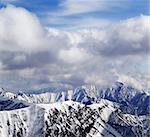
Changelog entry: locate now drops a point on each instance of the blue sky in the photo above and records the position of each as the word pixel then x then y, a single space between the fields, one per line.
pixel 61 13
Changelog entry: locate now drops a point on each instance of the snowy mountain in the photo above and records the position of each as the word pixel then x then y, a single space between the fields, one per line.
pixel 9 104
pixel 71 119
pixel 131 100
pixel 87 111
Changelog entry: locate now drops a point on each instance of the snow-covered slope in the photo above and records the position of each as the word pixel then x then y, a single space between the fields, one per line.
pixel 87 111
pixel 70 119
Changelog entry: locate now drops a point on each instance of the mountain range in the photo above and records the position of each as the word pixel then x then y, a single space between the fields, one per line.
pixel 86 111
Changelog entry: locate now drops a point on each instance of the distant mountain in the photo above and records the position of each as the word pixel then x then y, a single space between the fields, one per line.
pixel 9 104
pixel 130 100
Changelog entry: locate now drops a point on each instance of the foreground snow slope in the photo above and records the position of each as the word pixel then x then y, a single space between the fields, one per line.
pixel 71 119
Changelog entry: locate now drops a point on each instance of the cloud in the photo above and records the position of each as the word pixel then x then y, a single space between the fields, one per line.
pixel 127 37
pixel 22 60
pixel 131 37
pixel 8 1
pixel 83 6
pixel 85 13
pixel 132 81
pixel 35 56
pixel 20 29
pixel 74 55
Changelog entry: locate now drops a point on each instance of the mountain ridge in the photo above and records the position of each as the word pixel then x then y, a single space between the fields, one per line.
pixel 117 111
pixel 70 119
pixel 131 100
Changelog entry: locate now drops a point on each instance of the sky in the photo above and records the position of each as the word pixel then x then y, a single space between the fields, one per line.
pixel 69 43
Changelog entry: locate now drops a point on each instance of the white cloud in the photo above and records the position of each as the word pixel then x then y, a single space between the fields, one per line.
pixel 20 29
pixel 126 37
pixel 85 6
pixel 82 13
pixel 8 1
pixel 128 80
pixel 73 56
